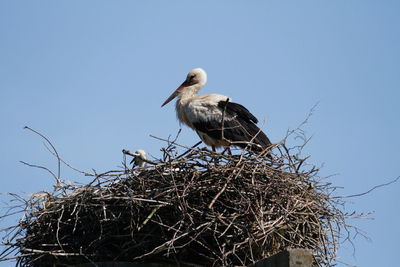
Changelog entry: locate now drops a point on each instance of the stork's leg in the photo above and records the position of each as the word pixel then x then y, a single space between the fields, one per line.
pixel 215 157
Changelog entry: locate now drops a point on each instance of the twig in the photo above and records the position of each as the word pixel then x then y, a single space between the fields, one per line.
pixel 370 190
pixel 127 152
pixel 58 177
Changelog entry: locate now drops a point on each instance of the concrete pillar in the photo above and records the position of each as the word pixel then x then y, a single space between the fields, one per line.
pixel 287 258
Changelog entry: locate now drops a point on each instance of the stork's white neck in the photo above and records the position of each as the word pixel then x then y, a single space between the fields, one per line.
pixel 184 97
pixel 188 92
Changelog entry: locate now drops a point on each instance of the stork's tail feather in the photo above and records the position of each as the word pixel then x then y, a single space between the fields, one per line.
pixel 248 136
pixel 256 145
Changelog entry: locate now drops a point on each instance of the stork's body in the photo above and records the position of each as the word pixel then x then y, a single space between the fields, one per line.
pixel 218 121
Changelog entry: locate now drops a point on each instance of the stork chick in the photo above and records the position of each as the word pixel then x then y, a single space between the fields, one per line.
pixel 140 158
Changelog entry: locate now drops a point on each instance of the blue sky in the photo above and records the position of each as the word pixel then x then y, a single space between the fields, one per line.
pixel 91 75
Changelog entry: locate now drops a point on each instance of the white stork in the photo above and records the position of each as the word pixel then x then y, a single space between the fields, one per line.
pixel 139 158
pixel 218 121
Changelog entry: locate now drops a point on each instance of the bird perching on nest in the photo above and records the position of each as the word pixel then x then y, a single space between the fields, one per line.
pixel 139 158
pixel 218 121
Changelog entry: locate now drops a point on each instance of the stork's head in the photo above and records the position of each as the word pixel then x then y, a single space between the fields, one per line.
pixel 195 80
pixel 196 77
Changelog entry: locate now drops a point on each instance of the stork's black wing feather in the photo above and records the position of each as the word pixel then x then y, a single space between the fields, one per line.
pixel 239 127
pixel 235 109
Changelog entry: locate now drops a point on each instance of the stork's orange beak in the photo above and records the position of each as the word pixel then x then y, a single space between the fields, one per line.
pixel 174 94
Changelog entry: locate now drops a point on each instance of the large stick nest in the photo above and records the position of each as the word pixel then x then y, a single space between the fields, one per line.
pixel 204 208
